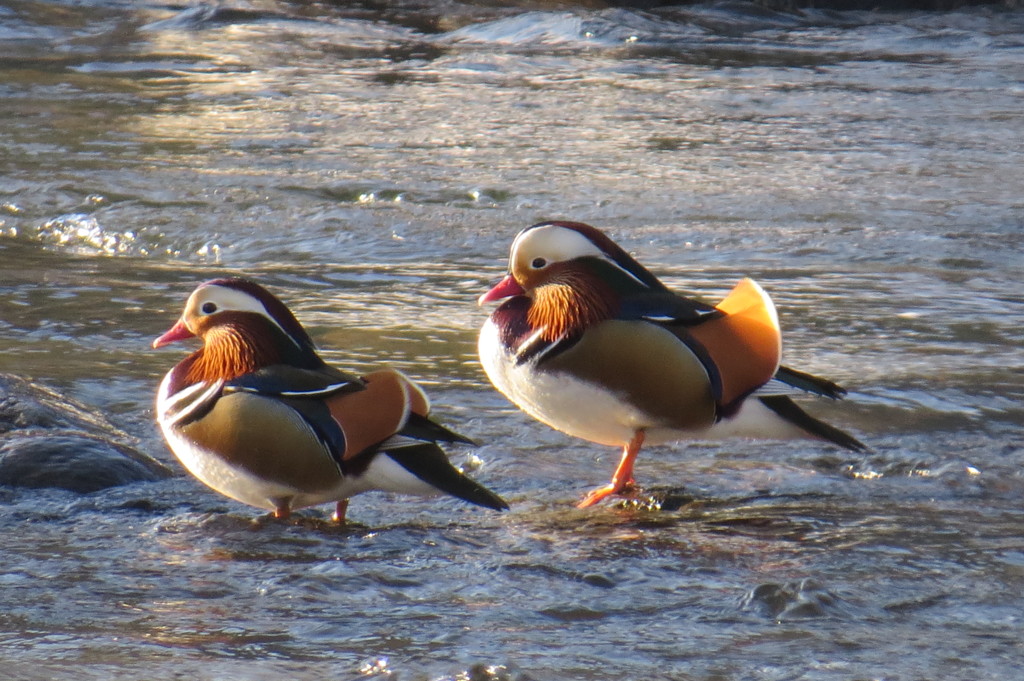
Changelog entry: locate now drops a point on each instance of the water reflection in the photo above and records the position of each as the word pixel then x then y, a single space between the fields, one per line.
pixel 371 165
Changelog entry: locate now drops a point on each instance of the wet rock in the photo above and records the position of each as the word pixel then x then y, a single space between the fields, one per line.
pixel 793 600
pixel 658 499
pixel 48 440
pixel 573 613
pixel 488 672
pixel 598 580
pixel 73 461
pixel 26 404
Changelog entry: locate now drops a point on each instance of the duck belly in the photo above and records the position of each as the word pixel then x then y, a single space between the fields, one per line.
pixel 230 480
pixel 619 378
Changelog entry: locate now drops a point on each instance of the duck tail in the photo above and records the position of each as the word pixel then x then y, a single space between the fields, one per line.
pixel 428 462
pixel 790 411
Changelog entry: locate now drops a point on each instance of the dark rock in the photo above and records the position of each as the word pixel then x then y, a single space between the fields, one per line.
pixel 491 672
pixel 73 461
pixel 802 599
pixel 25 404
pixel 598 580
pixel 49 440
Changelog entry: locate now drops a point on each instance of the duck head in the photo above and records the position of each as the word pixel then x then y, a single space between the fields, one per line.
pixel 243 328
pixel 573 274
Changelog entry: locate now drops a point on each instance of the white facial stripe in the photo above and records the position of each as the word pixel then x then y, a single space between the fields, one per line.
pixel 627 273
pixel 553 243
pixel 226 298
pixel 229 299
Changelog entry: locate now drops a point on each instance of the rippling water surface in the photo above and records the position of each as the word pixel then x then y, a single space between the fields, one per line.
pixel 371 165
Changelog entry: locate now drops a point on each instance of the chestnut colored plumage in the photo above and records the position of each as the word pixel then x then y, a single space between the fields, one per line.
pixel 570 303
pixel 257 415
pixel 591 343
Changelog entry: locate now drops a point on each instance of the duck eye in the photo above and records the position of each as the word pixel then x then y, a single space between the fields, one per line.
pixel 538 263
pixel 209 308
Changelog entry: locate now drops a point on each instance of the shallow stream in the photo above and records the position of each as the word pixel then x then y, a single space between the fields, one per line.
pixel 371 165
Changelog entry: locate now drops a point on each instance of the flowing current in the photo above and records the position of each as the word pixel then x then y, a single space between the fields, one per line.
pixel 371 164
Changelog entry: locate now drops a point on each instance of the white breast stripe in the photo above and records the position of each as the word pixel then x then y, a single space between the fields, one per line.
pixel 172 401
pixel 197 404
pixel 533 338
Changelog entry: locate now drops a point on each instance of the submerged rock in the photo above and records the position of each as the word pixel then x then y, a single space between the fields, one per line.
pixel 793 600
pixel 48 440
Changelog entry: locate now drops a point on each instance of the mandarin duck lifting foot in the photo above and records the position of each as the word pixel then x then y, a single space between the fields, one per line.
pixel 257 415
pixel 591 343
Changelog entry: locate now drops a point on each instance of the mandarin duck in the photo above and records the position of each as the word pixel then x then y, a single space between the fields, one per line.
pixel 591 343
pixel 257 415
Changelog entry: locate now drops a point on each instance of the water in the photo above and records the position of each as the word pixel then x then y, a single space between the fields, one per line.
pixel 371 165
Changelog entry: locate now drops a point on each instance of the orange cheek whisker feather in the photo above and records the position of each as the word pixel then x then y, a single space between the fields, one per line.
pixel 567 306
pixel 227 354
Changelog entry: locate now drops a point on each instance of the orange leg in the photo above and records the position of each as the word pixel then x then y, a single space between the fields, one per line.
pixel 623 476
pixel 339 512
pixel 283 512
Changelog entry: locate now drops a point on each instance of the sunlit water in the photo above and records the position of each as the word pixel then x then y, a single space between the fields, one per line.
pixel 372 169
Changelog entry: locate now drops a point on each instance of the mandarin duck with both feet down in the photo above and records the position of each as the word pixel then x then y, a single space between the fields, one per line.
pixel 257 415
pixel 591 343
